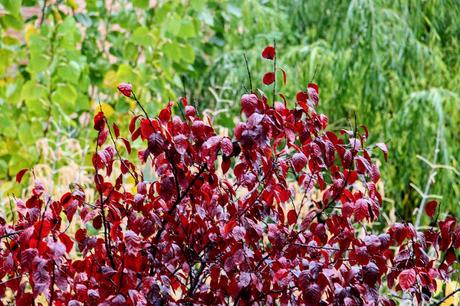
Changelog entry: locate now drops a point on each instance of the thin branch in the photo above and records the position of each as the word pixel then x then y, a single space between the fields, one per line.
pixel 42 17
pixel 447 297
pixel 249 71
pixel 104 221
pixel 171 210
pixel 41 224
pixel 10 234
pixel 53 280
pixel 143 109
pixel 118 152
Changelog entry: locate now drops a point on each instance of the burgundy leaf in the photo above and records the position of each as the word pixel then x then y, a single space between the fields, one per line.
pixel 269 78
pixel 299 160
pixel 126 89
pixel 430 208
pixel 384 149
pixel 407 279
pixel 20 174
pixel 116 130
pixel 269 52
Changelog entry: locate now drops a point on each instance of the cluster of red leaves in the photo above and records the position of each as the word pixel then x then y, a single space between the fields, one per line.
pixel 275 214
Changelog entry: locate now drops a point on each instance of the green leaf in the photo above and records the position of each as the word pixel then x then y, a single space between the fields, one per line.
pixel 19 161
pixel 12 21
pixel 38 44
pixel 198 5
pixel 5 59
pixel 7 126
pixel 37 108
pixel 66 96
pixel 82 103
pixel 143 4
pixel 125 73
pixel 141 36
pixel 172 51
pixel 12 6
pixel 69 71
pixel 84 19
pixel 33 91
pixel 24 134
pixel 187 53
pixel 173 25
pixel 130 51
pixel 38 63
pixel 187 29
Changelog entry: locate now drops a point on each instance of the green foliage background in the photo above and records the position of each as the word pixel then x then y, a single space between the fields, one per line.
pixel 395 64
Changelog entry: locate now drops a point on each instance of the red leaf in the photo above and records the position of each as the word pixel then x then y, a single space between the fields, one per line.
pixel 302 96
pixel 430 208
pixel 116 130
pixel 67 241
pixel 127 145
pixel 284 75
pixel 181 143
pixel 99 121
pixel 146 128
pixel 361 210
pixel 226 163
pixel 370 274
pixel 126 89
pixel 20 175
pixel 299 160
pixel 292 217
pixel 313 86
pixel 227 146
pixel 450 256
pixel 269 78
pixel 184 101
pixel 132 124
pixel 229 227
pixel 165 114
pixel 312 293
pixel 284 99
pixel 269 53
pixel 384 149
pixel 407 278
pixel 248 104
pixel 102 137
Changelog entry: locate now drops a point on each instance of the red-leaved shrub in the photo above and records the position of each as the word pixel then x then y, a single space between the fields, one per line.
pixel 277 214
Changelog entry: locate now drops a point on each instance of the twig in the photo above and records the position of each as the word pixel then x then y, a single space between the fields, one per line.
pixel 171 210
pixel 10 234
pixel 101 199
pixel 143 110
pixel 118 152
pixel 447 297
pixel 249 71
pixel 41 224
pixel 42 17
pixel 53 279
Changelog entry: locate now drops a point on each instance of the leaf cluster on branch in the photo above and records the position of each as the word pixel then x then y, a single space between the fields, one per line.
pixel 278 214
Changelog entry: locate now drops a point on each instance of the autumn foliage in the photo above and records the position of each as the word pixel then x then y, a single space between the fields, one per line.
pixel 279 213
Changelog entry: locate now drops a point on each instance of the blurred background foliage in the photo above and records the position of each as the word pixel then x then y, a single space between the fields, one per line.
pixel 395 64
